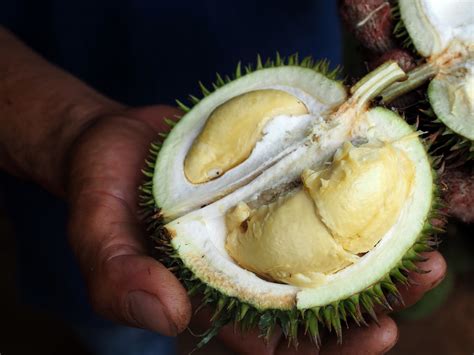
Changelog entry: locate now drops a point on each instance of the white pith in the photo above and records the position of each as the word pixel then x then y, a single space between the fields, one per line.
pixel 320 95
pixel 199 236
pixel 434 24
pixel 446 92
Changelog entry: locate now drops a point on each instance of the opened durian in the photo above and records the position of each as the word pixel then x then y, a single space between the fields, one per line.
pixel 283 201
pixel 442 32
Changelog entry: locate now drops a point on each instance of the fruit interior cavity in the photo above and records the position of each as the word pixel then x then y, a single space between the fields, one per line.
pixel 341 211
pixel 233 129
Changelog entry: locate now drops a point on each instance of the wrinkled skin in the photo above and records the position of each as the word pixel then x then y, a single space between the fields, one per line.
pixel 108 240
pixel 81 146
pixel 379 45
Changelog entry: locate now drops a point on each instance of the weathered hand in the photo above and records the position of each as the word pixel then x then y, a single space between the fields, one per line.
pixel 128 286
pixel 124 283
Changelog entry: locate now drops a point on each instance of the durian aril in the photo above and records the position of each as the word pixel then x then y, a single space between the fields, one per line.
pixel 320 95
pixel 341 211
pixel 196 241
pixel 233 129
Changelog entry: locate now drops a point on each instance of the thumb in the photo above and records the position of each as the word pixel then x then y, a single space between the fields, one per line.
pixel 124 284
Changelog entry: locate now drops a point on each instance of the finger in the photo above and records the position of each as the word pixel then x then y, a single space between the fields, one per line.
pixel 420 283
pixel 124 283
pixel 374 339
pixel 154 116
pixel 249 342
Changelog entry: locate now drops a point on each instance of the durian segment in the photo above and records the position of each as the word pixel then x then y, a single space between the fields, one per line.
pixel 434 24
pixel 199 237
pixel 285 241
pixel 233 129
pixel 349 205
pixel 451 96
pixel 360 195
pixel 172 191
pixel 376 264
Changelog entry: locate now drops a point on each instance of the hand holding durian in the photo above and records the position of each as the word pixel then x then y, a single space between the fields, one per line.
pixel 289 203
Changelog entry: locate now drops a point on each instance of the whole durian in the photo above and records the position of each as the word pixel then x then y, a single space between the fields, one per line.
pixel 283 201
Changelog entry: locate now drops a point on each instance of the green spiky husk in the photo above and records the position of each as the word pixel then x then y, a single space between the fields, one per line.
pixel 293 322
pixel 357 308
pixel 400 31
pixel 321 66
pixel 447 148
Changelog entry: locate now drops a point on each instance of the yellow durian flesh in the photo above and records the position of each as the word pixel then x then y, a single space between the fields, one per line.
pixel 232 131
pixel 359 197
pixel 268 242
pixel 341 211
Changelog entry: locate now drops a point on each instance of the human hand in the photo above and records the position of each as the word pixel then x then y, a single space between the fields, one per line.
pixel 127 285
pixel 124 283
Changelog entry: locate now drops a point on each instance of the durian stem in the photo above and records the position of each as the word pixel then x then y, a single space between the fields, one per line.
pixel 416 78
pixel 371 85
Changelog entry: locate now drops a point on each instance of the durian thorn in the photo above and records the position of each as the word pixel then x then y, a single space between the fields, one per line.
pixel 371 85
pixel 278 59
pixel 381 296
pixel 415 78
pixel 259 62
pixel 204 90
pixel 353 303
pixel 219 81
pixel 368 305
pixel 182 106
pixel 169 122
pixel 238 70
pixel 343 314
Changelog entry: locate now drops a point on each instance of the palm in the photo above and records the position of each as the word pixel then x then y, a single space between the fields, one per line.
pixel 127 285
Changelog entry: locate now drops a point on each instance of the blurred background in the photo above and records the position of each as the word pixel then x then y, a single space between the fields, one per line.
pixel 145 52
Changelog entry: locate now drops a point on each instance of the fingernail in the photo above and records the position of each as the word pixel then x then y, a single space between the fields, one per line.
pixel 437 282
pixel 148 312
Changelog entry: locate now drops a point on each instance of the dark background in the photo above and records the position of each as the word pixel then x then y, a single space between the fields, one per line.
pixel 145 52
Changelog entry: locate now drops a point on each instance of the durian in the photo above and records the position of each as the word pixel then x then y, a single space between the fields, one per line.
pixel 284 201
pixel 442 34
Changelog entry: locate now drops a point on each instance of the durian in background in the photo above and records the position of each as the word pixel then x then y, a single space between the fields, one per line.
pixel 442 32
pixel 434 40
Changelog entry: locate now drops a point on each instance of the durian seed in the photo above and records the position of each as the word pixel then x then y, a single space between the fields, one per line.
pixel 233 129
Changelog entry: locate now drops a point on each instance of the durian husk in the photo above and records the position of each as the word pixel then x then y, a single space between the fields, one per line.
pixel 359 307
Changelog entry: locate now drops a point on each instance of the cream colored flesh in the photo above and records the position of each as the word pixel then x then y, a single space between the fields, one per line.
pixel 285 241
pixel 280 136
pixel 199 237
pixel 361 195
pixel 233 129
pixel 343 210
